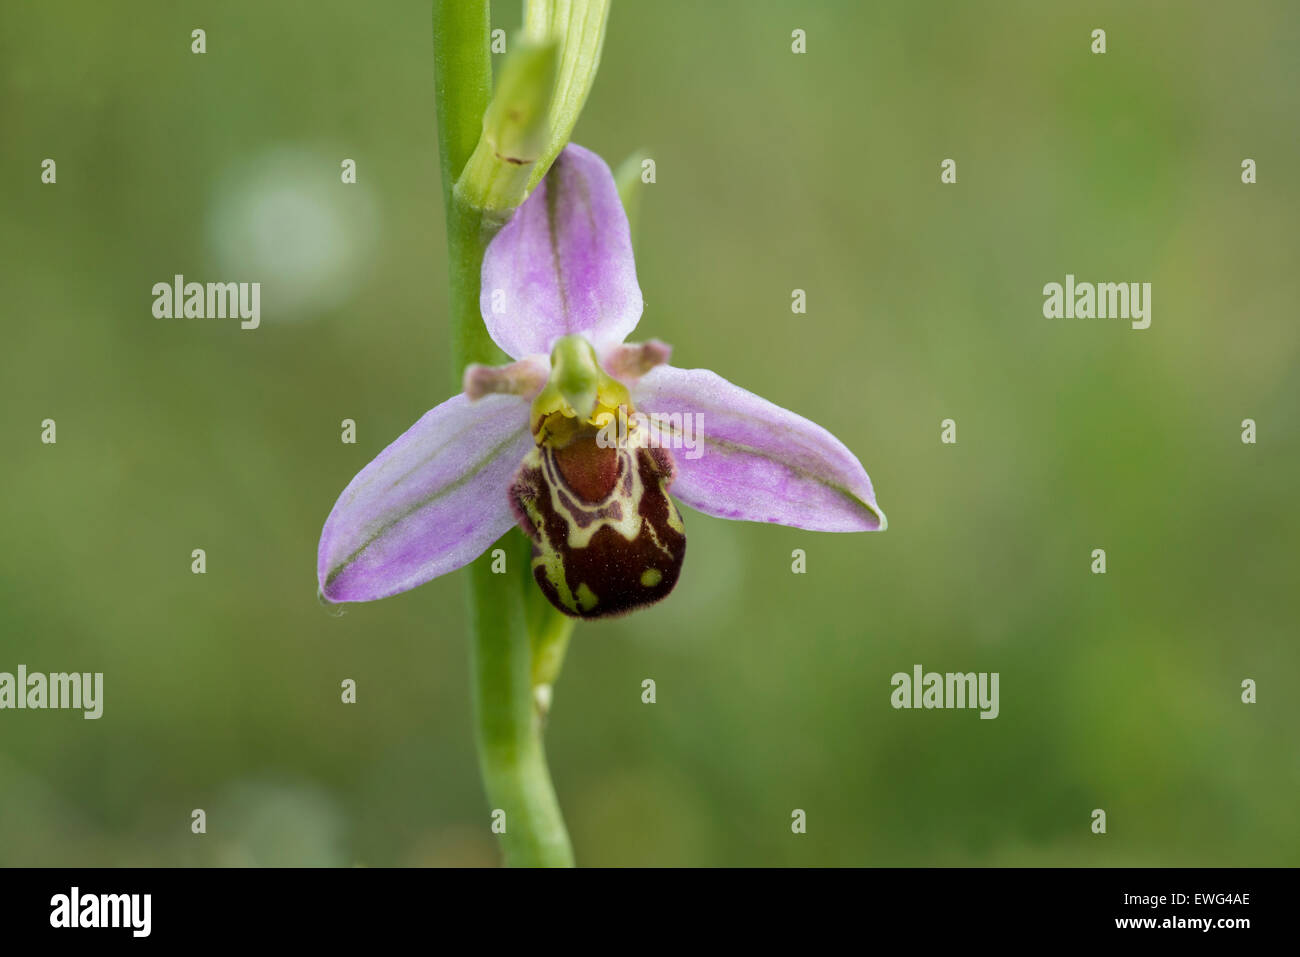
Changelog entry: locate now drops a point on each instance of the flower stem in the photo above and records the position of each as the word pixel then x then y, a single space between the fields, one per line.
pixel 508 726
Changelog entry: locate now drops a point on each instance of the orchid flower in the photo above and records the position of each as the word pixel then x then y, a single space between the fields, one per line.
pixel 529 442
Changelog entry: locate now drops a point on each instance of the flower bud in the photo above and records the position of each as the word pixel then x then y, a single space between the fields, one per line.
pixel 515 130
pixel 540 93
pixel 516 122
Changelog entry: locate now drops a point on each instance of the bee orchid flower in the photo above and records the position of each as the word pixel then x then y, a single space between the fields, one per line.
pixel 534 442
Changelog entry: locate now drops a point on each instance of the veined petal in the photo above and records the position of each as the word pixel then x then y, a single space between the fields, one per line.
pixel 563 264
pixel 752 459
pixel 431 502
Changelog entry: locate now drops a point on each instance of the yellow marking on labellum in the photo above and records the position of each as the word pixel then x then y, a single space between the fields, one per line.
pixel 606 536
pixel 606 556
pixel 628 489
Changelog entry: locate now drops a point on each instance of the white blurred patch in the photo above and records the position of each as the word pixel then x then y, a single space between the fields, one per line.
pixel 287 220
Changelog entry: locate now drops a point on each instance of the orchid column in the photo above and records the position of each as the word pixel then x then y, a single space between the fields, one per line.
pixel 493 151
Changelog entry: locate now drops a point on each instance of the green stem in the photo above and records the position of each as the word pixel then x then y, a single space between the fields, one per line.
pixel 508 727
pixel 462 70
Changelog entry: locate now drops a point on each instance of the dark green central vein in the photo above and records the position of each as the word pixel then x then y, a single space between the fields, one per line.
pixel 424 502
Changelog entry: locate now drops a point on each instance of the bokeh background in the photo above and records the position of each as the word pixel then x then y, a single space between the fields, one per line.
pixel 775 172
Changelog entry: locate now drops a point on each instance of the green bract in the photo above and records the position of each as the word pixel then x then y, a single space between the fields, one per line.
pixel 581 24
pixel 539 95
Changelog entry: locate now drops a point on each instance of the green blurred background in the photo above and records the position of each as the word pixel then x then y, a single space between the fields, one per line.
pixel 775 172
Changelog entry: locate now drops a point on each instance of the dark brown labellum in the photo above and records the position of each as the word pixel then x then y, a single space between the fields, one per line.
pixel 606 536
